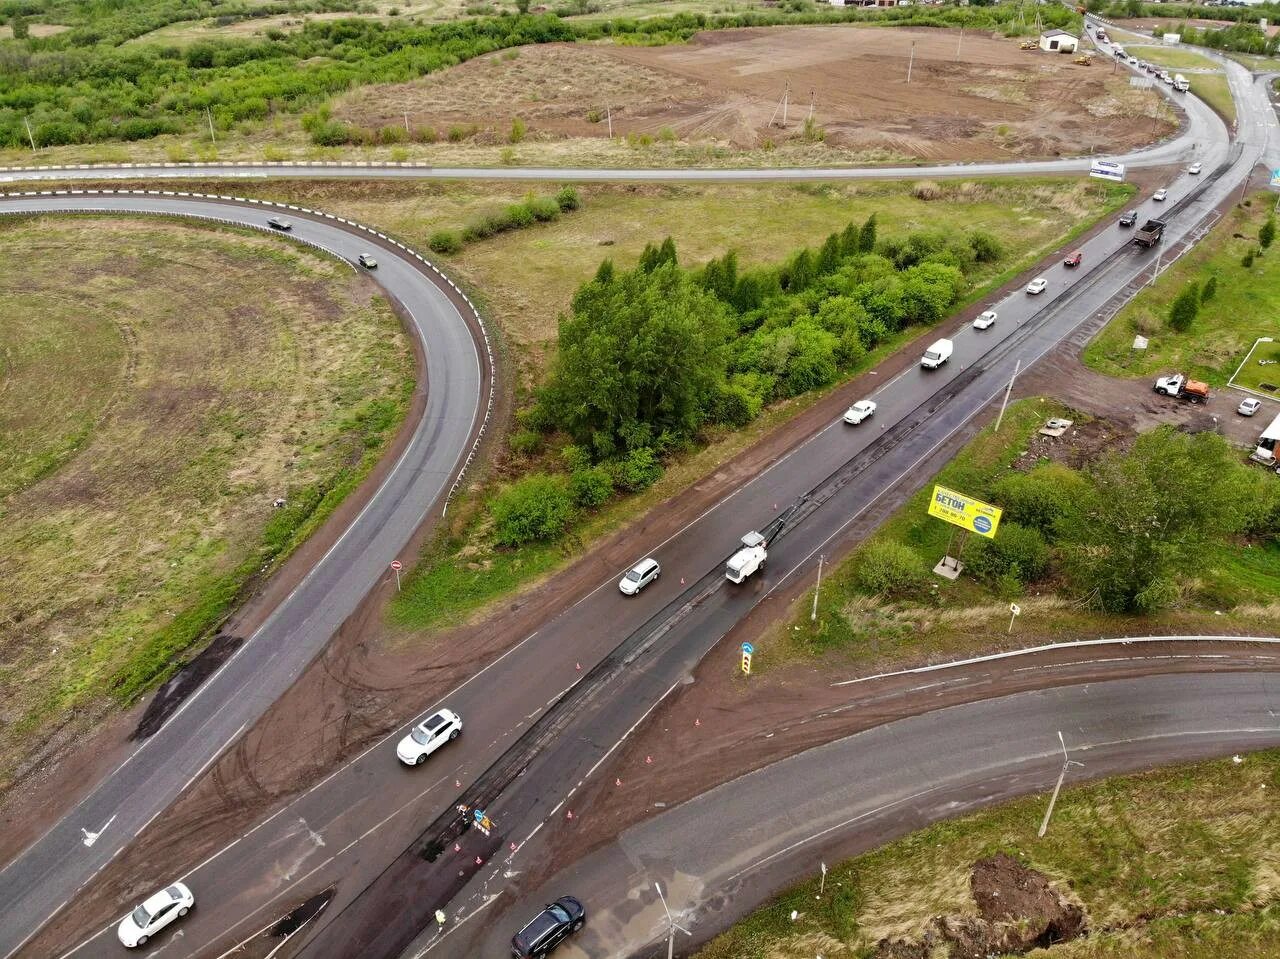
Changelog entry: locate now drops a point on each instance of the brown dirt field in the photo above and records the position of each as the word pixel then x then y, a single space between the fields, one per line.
pixel 725 86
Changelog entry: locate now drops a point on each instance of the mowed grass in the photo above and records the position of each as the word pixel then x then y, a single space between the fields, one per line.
pixel 164 384
pixel 1261 370
pixel 1177 864
pixel 1245 307
pixel 1172 57
pixel 1213 89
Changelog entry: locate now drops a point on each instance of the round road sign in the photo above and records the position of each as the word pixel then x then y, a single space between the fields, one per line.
pixel 395 564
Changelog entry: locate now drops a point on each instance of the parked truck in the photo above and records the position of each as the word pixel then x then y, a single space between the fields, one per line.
pixel 754 551
pixel 1180 83
pixel 1177 385
pixel 1150 234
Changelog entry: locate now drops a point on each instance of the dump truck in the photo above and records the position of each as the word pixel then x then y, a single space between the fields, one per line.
pixel 1150 234
pixel 755 547
pixel 1177 385
pixel 1180 83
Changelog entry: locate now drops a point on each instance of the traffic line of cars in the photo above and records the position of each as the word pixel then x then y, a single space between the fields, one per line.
pixel 366 260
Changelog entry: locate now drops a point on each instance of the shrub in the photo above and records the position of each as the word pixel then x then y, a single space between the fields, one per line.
pixel 1210 288
pixel 517 215
pixel 986 248
pixel 1247 260
pixel 1039 498
pixel 518 130
pixel 638 470
pixel 536 508
pixel 544 208
pixel 330 133
pixel 889 567
pixel 1017 552
pixel 445 241
pixel 567 199
pixel 525 442
pixel 1184 309
pixel 575 458
pixel 591 487
pixel 1267 235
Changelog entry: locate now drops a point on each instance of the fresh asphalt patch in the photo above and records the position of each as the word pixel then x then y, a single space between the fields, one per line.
pixel 183 683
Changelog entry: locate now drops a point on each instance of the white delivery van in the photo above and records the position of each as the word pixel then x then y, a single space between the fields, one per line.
pixel 936 355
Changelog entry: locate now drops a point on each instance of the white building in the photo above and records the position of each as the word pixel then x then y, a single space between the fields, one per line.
pixel 1058 41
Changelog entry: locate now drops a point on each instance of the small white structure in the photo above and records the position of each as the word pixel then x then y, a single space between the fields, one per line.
pixel 1058 41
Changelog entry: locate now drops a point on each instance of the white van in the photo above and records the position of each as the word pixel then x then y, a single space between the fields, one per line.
pixel 936 355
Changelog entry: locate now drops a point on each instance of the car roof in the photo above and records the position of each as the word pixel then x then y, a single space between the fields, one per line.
pixel 438 719
pixel 541 924
pixel 644 564
pixel 157 901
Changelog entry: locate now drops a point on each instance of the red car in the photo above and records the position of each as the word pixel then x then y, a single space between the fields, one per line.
pixel 1074 259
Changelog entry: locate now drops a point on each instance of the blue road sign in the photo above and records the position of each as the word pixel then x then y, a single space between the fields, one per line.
pixel 982 524
pixel 479 814
pixel 748 648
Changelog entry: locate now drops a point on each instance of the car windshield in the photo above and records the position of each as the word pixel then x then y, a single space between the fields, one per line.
pixel 557 910
pixel 633 576
pixel 932 355
pixel 420 736
pixel 140 917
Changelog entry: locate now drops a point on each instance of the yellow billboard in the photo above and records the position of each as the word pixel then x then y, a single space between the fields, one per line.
pixel 964 511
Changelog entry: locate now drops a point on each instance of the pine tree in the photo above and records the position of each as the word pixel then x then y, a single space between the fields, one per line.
pixel 867 235
pixel 604 273
pixel 1183 311
pixel 1268 233
pixel 1210 288
pixel 829 255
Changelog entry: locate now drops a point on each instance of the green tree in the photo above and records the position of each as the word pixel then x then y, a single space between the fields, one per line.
pixel 652 257
pixel 21 29
pixel 849 242
pixel 639 357
pixel 1182 313
pixel 889 567
pixel 1148 516
pixel 1040 498
pixel 867 235
pixel 800 272
pixel 604 272
pixel 829 255
pixel 522 6
pixel 1267 235
pixel 1209 290
pixel 538 507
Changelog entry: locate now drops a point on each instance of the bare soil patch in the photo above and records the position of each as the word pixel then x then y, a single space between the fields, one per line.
pixel 992 101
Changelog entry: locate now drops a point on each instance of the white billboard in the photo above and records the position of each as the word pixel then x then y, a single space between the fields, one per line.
pixel 1107 170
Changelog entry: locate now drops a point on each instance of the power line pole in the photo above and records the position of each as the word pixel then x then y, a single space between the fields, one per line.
pixel 958 42
pixel 911 61
pixel 29 134
pixel 1066 761
pixel 1008 389
pixel 814 614
pixel 208 114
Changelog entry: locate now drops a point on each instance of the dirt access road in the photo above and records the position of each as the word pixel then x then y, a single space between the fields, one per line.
pixel 993 101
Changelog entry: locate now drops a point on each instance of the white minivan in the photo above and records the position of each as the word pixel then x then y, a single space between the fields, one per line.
pixel 936 355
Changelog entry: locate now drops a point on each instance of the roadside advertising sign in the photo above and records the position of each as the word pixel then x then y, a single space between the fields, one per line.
pixel 1275 179
pixel 965 511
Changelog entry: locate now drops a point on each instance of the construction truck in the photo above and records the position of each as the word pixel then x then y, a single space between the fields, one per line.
pixel 1084 61
pixel 755 547
pixel 1028 45
pixel 1180 83
pixel 1150 234
pixel 1177 385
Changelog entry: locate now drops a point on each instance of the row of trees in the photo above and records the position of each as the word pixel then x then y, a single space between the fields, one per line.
pixel 82 86
pixel 1128 533
pixel 647 358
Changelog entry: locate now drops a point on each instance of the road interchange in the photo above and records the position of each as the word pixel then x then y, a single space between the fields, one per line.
pixel 979 370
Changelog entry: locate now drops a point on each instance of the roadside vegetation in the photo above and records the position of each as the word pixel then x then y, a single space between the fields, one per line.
pixel 1102 533
pixel 659 363
pixel 165 385
pixel 1175 864
pixel 1234 282
pixel 82 86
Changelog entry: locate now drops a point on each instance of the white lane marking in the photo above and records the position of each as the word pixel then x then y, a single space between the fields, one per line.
pixel 898 802
pixel 458 925
pixel 1075 644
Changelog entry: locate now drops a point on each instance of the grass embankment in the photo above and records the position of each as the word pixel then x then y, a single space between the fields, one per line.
pixel 1243 308
pixel 526 285
pixel 1171 57
pixel 165 384
pixel 1175 864
pixel 1212 88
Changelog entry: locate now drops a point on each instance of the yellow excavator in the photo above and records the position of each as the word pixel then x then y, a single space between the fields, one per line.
pixel 1028 45
pixel 1084 61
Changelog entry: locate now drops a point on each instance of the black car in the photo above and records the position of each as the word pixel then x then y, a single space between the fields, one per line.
pixel 1129 219
pixel 276 223
pixel 548 929
pixel 367 261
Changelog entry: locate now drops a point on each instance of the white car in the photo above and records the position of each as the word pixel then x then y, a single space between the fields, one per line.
pixel 984 320
pixel 428 736
pixel 1133 61
pixel 153 915
pixel 1249 406
pixel 859 411
pixel 1195 168
pixel 1038 285
pixel 639 576
pixel 1160 195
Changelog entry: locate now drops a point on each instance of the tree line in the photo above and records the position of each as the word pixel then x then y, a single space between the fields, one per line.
pixel 82 86
pixel 650 358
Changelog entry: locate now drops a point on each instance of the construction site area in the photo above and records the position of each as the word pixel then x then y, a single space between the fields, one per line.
pixel 884 95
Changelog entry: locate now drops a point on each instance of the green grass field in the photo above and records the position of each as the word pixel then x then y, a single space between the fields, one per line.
pixel 1181 863
pixel 1261 369
pixel 1244 308
pixel 1171 57
pixel 1213 89
pixel 164 384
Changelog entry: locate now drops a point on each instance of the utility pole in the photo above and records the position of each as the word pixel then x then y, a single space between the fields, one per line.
pixel 813 616
pixel 29 134
pixel 911 61
pixel 671 923
pixel 1008 389
pixel 208 114
pixel 608 112
pixel 958 42
pixel 406 122
pixel 1066 761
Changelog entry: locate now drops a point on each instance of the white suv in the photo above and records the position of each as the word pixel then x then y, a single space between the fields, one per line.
pixel 428 736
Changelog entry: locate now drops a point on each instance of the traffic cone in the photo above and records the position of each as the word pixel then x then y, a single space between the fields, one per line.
pixel 697 722
pixel 648 760
pixel 457 784
pixel 479 861
pixel 578 666
pixel 681 580
pixel 569 814
pixel 617 782
pixel 457 848
pixel 513 847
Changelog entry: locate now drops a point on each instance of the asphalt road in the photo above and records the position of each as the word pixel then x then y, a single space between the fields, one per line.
pixel 720 855
pixel 48 873
pixel 342 834
pixel 347 829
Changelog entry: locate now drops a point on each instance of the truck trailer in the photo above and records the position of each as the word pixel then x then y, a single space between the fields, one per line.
pixel 1150 234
